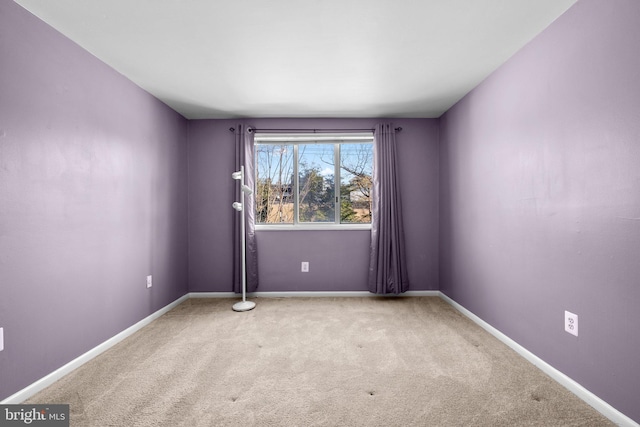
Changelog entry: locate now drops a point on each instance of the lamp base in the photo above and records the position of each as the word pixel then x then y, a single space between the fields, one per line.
pixel 244 306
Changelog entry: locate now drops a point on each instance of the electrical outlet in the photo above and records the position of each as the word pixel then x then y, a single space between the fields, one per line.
pixel 571 323
pixel 305 267
pixel 149 281
pixel 1 339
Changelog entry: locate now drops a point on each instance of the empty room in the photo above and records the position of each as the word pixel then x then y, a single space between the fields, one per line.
pixel 328 213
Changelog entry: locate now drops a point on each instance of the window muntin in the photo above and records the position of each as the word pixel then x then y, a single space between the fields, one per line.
pixel 313 179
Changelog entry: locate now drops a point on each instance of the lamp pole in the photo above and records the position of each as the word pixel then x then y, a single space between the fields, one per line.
pixel 243 305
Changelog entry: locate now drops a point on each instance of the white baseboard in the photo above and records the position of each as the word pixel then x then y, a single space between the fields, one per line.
pixel 598 404
pixel 314 294
pixel 54 376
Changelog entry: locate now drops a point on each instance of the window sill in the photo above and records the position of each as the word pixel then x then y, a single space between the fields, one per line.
pixel 313 227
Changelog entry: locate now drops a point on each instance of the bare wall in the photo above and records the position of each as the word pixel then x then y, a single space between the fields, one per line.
pixel 540 200
pixel 93 175
pixel 338 259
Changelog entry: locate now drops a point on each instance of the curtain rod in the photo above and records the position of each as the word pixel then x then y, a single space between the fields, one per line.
pixel 398 129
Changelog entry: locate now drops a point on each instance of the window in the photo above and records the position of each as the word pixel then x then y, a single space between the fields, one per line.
pixel 313 179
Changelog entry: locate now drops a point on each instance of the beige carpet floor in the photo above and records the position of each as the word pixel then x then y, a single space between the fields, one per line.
pixel 411 361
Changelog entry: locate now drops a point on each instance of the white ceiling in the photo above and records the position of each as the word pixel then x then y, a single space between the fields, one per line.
pixel 302 58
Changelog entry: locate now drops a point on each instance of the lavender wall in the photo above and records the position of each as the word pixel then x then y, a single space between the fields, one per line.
pixel 338 259
pixel 93 175
pixel 540 199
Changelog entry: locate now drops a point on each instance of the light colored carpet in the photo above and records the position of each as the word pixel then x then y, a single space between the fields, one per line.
pixel 411 361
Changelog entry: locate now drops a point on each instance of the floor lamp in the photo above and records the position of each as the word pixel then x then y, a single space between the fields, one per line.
pixel 243 305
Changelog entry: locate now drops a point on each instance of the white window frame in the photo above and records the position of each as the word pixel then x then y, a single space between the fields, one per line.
pixel 296 139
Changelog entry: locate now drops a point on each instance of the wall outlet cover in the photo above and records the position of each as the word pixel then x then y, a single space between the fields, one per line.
pixel 1 339
pixel 305 266
pixel 149 281
pixel 571 323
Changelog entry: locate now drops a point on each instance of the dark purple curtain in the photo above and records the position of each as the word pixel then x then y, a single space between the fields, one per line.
pixel 387 263
pixel 244 157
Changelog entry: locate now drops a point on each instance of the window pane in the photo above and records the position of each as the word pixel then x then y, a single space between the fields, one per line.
pixel 356 170
pixel 316 171
pixel 274 189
